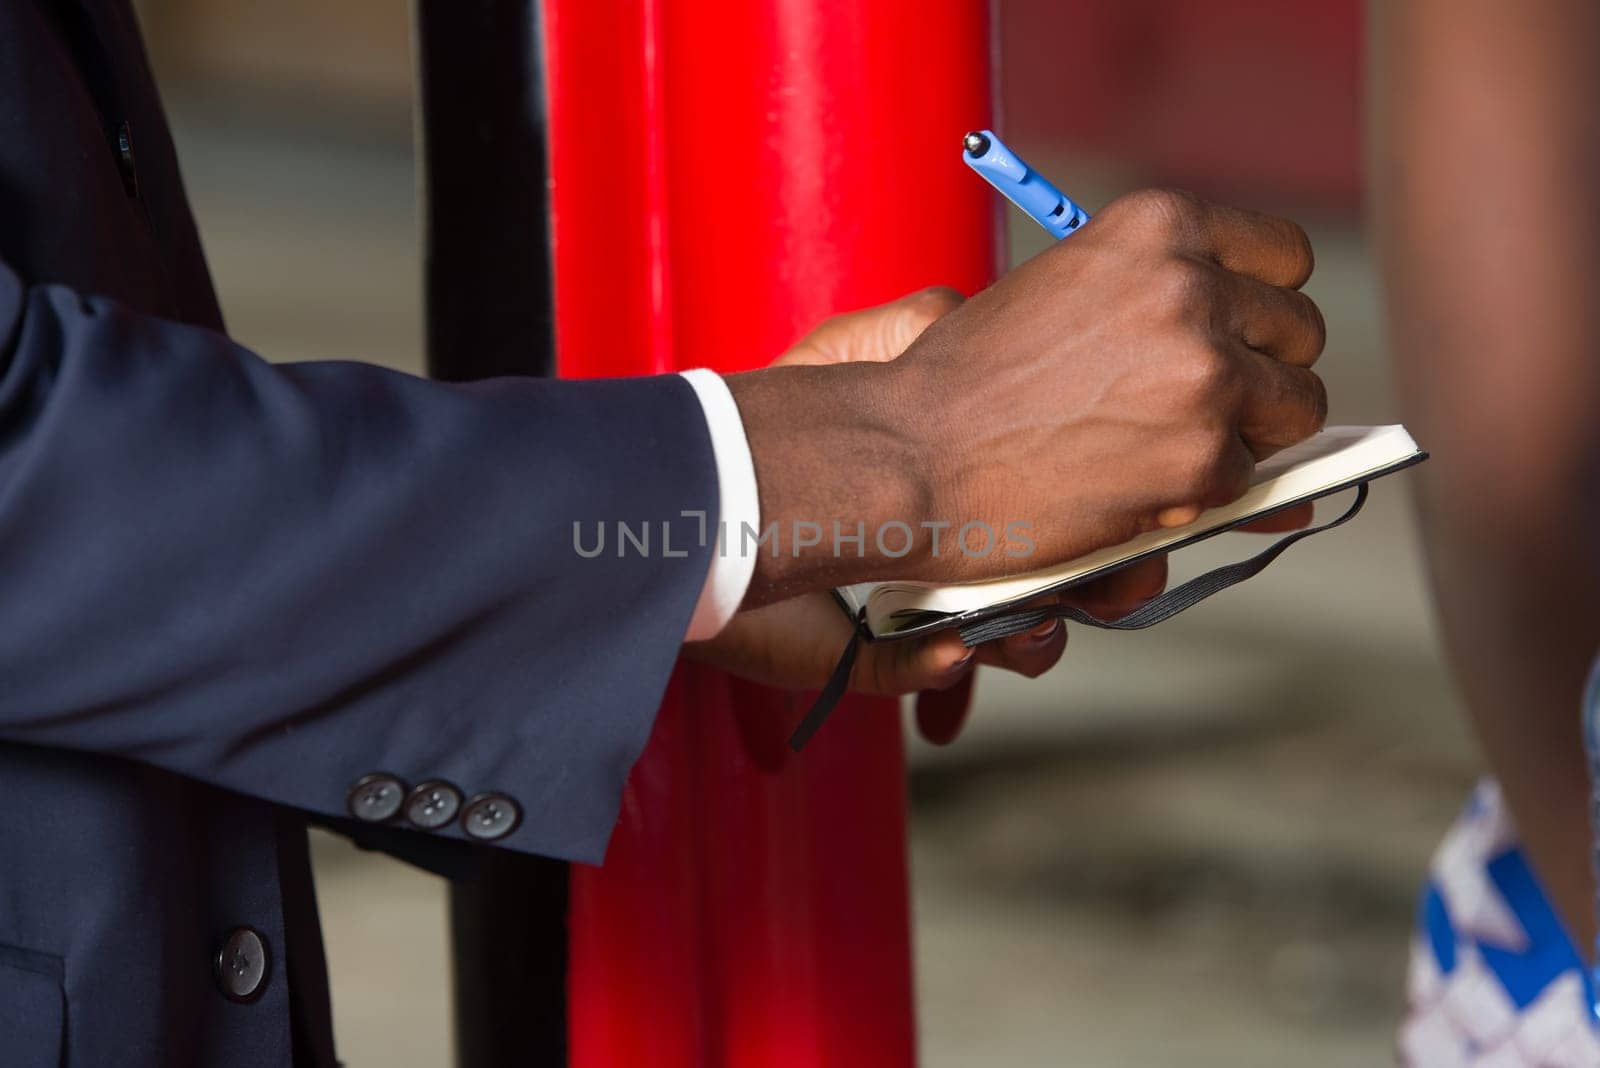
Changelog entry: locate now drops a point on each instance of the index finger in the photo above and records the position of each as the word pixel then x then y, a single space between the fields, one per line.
pixel 1264 247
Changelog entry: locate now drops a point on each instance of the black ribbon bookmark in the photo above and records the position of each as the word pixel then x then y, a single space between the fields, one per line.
pixel 830 694
pixel 1153 611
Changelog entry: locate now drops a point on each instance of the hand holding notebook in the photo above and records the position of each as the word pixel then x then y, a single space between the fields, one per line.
pixel 1335 459
pixel 1121 378
pixel 1262 352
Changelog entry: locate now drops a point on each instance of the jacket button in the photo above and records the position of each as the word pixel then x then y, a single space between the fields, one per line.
pixel 242 964
pixel 490 816
pixel 376 798
pixel 432 805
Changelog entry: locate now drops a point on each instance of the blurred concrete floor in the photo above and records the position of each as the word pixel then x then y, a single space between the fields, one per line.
pixel 1194 846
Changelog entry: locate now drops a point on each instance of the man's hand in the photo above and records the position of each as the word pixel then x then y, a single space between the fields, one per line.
pixel 796 643
pixel 1122 380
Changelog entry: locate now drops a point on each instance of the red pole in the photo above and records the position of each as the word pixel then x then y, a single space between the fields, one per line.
pixel 723 176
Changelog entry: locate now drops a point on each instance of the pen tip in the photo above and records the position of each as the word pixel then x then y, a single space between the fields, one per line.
pixel 976 144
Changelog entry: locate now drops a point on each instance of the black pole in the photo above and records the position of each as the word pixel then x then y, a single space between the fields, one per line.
pixel 488 292
pixel 486 223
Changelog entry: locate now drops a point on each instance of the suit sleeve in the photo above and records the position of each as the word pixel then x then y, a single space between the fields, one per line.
pixel 280 579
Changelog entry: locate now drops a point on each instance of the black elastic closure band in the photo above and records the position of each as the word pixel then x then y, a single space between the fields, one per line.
pixel 830 694
pixel 1160 608
pixel 1153 611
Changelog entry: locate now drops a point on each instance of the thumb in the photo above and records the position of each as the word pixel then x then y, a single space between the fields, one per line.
pixel 877 334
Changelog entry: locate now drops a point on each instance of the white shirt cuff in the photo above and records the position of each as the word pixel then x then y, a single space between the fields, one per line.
pixel 739 506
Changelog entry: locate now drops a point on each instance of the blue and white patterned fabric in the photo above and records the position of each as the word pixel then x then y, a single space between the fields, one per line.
pixel 1495 982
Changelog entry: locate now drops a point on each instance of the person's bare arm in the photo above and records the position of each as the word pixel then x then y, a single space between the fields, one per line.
pixel 1485 159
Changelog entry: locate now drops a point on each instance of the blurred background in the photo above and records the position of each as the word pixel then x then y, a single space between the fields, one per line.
pixel 1199 845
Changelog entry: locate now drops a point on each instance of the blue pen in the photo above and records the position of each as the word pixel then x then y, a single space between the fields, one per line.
pixel 1021 184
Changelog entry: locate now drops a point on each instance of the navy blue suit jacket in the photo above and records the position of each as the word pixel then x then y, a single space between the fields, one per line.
pixel 229 590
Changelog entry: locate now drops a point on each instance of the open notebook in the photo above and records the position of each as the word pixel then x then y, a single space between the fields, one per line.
pixel 1337 458
pixel 1341 457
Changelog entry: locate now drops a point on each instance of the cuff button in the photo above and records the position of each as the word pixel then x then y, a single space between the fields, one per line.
pixel 432 805
pixel 488 817
pixel 376 798
pixel 241 965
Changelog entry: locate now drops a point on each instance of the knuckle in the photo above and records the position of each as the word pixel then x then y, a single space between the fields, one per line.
pixel 1177 207
pixel 935 301
pixel 1205 460
pixel 1163 211
pixel 1185 287
pixel 1207 373
pixel 1213 456
pixel 1223 477
pixel 1304 331
pixel 1300 304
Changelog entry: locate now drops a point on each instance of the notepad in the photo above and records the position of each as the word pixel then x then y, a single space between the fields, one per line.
pixel 1338 458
